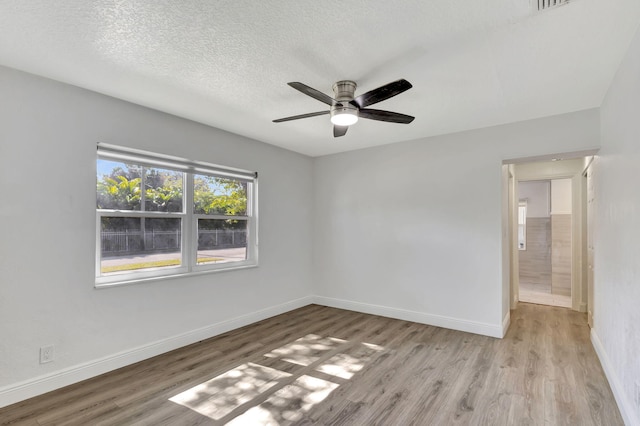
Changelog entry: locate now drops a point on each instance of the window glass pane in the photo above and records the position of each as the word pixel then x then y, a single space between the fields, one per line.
pixel 163 190
pixel 222 241
pixel 132 244
pixel 215 195
pixel 118 185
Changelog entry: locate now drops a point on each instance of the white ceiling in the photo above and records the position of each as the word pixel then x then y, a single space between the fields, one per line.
pixel 226 63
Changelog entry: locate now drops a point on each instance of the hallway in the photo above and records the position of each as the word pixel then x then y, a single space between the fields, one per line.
pixel 545 231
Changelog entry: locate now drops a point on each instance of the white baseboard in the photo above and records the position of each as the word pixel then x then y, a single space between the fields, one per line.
pixel 629 416
pixel 39 385
pixel 420 317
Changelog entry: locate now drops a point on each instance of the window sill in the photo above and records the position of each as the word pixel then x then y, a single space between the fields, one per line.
pixel 133 281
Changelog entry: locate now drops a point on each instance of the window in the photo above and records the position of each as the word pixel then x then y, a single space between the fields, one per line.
pixel 160 216
pixel 522 225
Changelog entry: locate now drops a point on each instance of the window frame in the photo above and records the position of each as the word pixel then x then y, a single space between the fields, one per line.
pixel 522 225
pixel 189 219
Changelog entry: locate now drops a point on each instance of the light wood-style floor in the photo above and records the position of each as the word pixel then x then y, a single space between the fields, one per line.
pixel 541 294
pixel 319 365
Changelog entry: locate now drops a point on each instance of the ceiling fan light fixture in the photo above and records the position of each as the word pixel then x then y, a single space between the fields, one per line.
pixel 342 115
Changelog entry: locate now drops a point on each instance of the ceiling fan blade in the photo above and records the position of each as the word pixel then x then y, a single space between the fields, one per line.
pixel 382 93
pixel 339 131
pixel 380 115
pixel 297 117
pixel 310 91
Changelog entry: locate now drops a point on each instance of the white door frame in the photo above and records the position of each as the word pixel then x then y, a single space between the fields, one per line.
pixel 515 252
pixel 588 252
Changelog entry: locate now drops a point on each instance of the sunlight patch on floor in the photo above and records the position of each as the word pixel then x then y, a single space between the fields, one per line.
pixel 345 365
pixel 260 395
pixel 288 404
pixel 305 350
pixel 219 396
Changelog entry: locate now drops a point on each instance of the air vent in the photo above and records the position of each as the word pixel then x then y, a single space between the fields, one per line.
pixel 548 4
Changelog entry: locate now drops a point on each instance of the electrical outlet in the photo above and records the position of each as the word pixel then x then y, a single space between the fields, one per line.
pixel 46 354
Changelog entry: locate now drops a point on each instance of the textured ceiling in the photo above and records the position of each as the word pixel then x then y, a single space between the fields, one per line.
pixel 226 63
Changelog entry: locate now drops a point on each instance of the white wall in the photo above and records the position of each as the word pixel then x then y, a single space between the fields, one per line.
pixel 48 136
pixel 536 193
pixel 413 229
pixel 561 196
pixel 616 334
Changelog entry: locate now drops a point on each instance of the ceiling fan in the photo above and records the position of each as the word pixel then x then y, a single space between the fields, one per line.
pixel 346 108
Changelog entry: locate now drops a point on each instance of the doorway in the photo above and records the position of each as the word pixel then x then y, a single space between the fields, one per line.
pixel 565 212
pixel 544 241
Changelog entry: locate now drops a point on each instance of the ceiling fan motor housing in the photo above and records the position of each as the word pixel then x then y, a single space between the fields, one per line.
pixel 344 92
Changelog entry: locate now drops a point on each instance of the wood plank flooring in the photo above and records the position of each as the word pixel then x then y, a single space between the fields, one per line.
pixel 319 365
pixel 531 293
